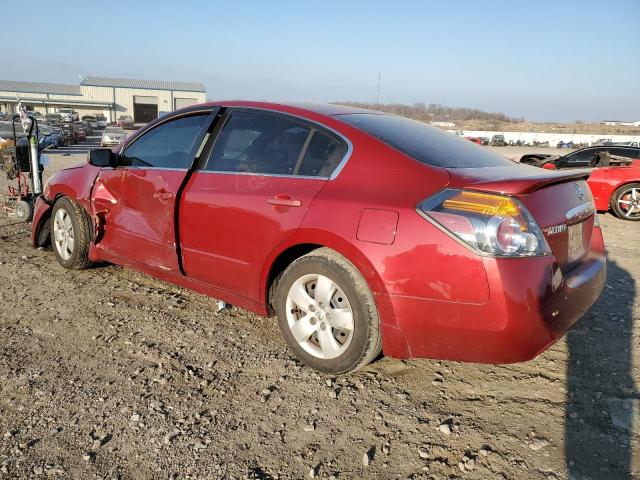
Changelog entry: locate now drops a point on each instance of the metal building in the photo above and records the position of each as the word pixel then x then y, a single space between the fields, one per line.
pixel 143 100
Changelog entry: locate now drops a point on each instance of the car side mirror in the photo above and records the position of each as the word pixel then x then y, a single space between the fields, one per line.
pixel 103 157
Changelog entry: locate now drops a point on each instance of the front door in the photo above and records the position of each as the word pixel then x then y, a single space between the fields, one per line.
pixel 261 176
pixel 136 200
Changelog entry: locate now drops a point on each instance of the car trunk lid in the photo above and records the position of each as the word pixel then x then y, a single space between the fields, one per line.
pixel 560 201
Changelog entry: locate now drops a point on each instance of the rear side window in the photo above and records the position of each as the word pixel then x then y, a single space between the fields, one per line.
pixel 165 146
pixel 633 153
pixel 427 144
pixel 260 143
pixel 322 156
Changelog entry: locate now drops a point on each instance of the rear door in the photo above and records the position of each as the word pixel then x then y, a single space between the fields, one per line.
pixel 262 173
pixel 136 200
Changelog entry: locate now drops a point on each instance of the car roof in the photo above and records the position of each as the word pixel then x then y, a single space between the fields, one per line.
pixel 326 109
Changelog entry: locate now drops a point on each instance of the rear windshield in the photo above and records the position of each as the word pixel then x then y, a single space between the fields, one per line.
pixel 427 144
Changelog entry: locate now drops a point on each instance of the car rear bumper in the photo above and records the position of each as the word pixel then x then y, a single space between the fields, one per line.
pixel 528 311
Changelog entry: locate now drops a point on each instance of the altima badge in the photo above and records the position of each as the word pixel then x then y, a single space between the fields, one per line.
pixel 554 230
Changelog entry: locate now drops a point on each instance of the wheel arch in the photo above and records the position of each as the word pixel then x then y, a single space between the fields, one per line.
pixel 617 187
pixel 305 241
pixel 42 229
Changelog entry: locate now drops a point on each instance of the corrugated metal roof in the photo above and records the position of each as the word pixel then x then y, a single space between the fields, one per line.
pixel 146 84
pixel 40 87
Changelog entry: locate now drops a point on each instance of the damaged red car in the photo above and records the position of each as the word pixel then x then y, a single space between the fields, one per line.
pixel 363 232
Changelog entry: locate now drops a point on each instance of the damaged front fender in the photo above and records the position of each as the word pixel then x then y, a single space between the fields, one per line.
pixel 75 183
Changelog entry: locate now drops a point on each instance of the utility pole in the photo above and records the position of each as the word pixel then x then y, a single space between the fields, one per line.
pixel 379 82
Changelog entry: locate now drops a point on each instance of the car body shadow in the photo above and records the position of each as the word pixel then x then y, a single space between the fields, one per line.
pixel 600 387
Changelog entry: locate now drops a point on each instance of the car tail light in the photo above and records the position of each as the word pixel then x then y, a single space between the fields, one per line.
pixel 491 224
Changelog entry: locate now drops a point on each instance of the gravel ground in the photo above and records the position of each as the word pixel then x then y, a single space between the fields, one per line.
pixel 108 373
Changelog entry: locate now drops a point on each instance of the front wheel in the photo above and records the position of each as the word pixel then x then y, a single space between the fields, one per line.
pixel 327 314
pixel 70 234
pixel 625 202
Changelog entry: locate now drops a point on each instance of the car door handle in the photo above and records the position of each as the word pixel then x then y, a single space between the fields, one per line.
pixel 285 201
pixel 163 195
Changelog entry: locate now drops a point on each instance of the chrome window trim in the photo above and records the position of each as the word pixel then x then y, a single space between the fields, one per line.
pixel 139 167
pixel 334 174
pixel 277 175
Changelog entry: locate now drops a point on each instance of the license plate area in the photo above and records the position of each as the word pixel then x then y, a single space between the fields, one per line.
pixel 575 242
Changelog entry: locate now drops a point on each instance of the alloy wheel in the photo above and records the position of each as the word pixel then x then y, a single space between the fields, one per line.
pixel 63 234
pixel 629 202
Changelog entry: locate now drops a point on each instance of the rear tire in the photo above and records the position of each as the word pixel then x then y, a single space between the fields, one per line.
pixel 70 234
pixel 327 313
pixel 626 198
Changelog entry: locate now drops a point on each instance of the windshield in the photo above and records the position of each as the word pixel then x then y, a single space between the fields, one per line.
pixel 113 130
pixel 427 144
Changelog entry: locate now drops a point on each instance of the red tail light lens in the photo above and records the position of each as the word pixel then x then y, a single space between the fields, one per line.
pixel 492 224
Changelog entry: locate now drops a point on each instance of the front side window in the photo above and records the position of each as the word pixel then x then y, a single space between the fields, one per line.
pixel 165 146
pixel 581 158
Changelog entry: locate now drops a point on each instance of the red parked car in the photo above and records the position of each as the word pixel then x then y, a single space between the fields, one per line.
pixel 361 231
pixel 614 180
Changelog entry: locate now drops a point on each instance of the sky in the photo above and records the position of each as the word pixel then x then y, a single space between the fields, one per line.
pixel 542 60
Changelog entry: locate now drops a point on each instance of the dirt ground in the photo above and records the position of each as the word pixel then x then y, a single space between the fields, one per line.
pixel 108 373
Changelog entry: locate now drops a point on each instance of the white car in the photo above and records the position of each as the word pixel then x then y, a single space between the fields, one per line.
pixel 68 115
pixel 112 136
pixel 102 121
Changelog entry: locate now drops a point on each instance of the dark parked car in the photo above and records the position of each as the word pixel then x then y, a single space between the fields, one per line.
pixel 79 131
pixel 53 118
pixel 63 140
pixel 498 141
pixel 362 231
pixel 124 121
pixel 69 136
pixel 583 158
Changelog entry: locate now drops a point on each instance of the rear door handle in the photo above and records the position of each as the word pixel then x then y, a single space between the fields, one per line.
pixel 163 195
pixel 285 201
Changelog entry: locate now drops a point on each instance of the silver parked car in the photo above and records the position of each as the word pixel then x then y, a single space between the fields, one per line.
pixel 112 136
pixel 102 121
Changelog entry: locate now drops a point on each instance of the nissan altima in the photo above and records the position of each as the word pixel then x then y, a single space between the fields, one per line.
pixel 363 232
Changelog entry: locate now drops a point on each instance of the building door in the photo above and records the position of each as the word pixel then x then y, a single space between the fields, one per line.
pixel 145 109
pixel 183 102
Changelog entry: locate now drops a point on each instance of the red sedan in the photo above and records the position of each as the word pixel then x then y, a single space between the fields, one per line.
pixel 361 231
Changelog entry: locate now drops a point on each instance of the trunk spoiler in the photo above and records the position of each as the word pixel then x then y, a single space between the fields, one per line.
pixel 513 181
